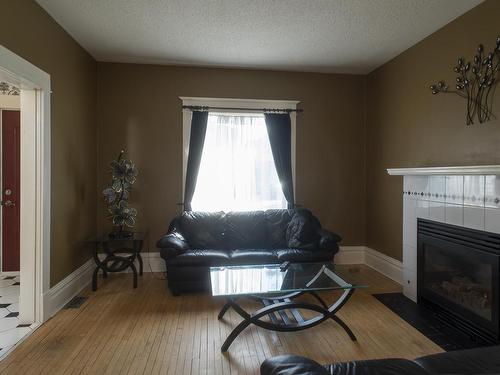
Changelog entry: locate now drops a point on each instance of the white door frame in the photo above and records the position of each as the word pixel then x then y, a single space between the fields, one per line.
pixel 35 182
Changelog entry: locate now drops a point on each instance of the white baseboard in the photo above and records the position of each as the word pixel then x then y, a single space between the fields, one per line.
pixel 61 293
pixel 152 262
pixel 350 255
pixel 382 263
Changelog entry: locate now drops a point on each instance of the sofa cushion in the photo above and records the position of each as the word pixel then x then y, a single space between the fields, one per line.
pixel 300 255
pixel 291 365
pixel 471 361
pixel 377 367
pixel 253 256
pixel 211 258
pixel 276 223
pixel 202 230
pixel 302 231
pixel 200 258
pixel 245 230
pixel 296 365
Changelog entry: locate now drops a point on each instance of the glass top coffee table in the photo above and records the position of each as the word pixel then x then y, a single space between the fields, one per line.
pixel 277 290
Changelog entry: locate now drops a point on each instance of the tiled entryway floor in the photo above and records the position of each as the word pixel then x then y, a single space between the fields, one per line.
pixel 11 331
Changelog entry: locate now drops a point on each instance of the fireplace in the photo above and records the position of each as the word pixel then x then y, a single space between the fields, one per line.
pixel 458 277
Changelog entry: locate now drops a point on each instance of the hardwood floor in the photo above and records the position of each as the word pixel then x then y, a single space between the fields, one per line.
pixel 120 330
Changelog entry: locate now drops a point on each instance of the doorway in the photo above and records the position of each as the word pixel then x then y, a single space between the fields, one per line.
pixel 25 198
pixel 10 122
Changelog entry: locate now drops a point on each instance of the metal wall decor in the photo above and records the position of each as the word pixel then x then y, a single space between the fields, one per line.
pixel 475 82
pixel 8 89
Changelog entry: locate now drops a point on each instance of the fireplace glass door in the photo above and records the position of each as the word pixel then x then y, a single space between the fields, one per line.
pixel 462 280
pixel 459 275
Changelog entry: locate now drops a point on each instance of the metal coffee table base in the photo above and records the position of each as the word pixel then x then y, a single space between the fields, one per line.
pixel 276 307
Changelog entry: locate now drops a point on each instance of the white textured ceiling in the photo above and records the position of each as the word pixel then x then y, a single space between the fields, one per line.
pixel 346 36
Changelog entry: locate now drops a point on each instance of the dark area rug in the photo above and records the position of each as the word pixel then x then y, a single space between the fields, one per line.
pixel 428 323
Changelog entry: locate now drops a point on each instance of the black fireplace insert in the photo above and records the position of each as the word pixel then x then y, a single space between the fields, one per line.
pixel 458 277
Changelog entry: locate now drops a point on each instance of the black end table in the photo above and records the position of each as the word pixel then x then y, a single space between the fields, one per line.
pixel 119 254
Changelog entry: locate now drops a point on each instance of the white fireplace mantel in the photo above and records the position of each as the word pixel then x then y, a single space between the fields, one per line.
pixel 448 171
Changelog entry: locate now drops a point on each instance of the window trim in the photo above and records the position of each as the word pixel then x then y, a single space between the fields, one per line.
pixel 235 103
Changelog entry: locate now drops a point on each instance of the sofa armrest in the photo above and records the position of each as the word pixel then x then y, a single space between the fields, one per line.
pixel 329 240
pixel 291 365
pixel 485 360
pixel 172 244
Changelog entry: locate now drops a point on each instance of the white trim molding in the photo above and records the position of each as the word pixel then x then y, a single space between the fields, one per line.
pixel 152 262
pixel 350 255
pixel 22 72
pixel 390 267
pixel 35 182
pixel 65 290
pixel 382 263
pixel 427 171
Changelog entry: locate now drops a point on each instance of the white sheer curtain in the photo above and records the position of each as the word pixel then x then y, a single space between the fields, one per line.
pixel 237 171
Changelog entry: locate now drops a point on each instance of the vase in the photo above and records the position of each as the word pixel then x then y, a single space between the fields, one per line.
pixel 120 233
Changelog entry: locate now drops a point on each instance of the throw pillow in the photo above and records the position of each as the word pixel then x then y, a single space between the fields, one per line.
pixel 302 231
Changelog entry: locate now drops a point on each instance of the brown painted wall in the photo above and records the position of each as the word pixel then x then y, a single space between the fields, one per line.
pixel 140 111
pixel 27 30
pixel 409 127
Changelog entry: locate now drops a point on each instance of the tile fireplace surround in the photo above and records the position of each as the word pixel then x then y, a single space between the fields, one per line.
pixel 463 196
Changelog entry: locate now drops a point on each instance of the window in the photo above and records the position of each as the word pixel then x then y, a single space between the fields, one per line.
pixel 237 171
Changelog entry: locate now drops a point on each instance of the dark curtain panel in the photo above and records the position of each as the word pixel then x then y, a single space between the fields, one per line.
pixel 279 129
pixel 196 141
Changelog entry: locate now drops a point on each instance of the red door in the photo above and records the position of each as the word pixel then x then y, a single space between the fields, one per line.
pixel 11 121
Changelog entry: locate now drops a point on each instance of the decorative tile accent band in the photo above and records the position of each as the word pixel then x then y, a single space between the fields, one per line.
pixel 421 194
pixel 474 190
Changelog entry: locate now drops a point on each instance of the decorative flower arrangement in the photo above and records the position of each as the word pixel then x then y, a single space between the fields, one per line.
pixel 476 83
pixel 124 173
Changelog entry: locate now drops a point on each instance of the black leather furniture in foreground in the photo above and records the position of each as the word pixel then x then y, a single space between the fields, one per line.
pixel 472 361
pixel 198 240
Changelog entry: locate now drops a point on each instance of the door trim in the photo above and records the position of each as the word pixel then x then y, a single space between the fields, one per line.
pixel 35 182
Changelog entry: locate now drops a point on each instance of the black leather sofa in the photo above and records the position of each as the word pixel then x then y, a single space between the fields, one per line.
pixel 472 361
pixel 198 240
